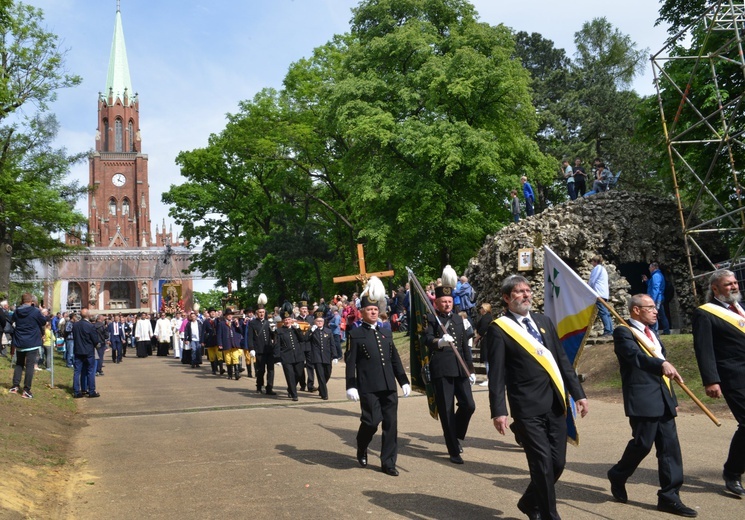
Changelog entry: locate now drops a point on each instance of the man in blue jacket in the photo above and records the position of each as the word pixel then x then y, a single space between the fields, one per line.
pixel 85 337
pixel 656 291
pixel 29 323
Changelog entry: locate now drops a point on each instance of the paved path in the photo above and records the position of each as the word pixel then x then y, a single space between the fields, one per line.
pixel 168 442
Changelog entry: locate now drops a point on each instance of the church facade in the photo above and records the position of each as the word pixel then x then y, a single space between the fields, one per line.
pixel 124 269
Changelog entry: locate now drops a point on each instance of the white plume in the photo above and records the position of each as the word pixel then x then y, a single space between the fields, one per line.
pixel 262 299
pixel 196 307
pixel 449 277
pixel 374 289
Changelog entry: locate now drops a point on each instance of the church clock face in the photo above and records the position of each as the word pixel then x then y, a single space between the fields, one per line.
pixel 119 180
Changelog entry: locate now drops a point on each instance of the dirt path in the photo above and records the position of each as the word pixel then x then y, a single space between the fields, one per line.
pixel 166 442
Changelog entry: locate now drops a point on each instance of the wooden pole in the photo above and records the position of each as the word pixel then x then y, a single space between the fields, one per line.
pixel 680 383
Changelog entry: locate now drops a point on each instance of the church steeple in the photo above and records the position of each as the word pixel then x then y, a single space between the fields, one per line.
pixel 118 81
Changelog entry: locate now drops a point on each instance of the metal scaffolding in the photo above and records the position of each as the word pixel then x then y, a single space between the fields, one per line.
pixel 710 124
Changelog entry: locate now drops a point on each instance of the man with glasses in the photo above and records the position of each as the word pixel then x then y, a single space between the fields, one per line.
pixel 650 404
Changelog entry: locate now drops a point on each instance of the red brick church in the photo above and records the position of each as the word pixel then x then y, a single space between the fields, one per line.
pixel 124 269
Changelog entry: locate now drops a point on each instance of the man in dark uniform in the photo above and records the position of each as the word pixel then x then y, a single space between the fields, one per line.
pixel 526 358
pixel 650 405
pixel 289 349
pixel 86 337
pixel 373 367
pixel 305 321
pixel 321 352
pixel 719 342
pixel 260 337
pixel 451 381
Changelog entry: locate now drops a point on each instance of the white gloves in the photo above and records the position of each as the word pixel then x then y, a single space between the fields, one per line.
pixel 313 328
pixel 353 395
pixel 406 389
pixel 295 326
pixel 272 326
pixel 335 361
pixel 252 353
pixel 444 341
pixel 472 379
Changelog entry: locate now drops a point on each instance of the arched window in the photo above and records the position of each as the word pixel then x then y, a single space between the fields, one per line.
pixel 119 131
pixel 106 135
pixel 112 206
pixel 131 136
pixel 125 207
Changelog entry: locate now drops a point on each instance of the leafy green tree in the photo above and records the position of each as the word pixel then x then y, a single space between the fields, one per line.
pixel 37 201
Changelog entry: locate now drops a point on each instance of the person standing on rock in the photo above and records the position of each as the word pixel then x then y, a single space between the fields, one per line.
pixel 650 404
pixel 529 196
pixel 719 342
pixel 527 360
pixel 599 283
pixel 373 368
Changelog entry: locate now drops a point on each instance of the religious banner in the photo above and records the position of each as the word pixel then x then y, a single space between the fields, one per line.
pixel 170 297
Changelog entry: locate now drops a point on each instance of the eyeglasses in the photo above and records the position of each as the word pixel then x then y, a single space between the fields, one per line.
pixel 646 306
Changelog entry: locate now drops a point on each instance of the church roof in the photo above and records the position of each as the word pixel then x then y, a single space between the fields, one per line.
pixel 117 80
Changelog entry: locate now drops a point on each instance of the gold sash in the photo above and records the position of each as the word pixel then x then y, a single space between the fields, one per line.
pixel 540 353
pixel 650 350
pixel 725 314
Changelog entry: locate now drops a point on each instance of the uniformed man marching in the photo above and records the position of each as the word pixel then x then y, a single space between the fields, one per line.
pixel 373 367
pixel 229 341
pixel 321 352
pixel 260 335
pixel 289 349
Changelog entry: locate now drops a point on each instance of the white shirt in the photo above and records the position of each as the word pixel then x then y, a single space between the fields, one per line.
pixel 599 281
pixel 194 330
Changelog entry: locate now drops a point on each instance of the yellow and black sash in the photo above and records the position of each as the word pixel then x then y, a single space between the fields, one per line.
pixel 725 314
pixel 539 352
pixel 650 350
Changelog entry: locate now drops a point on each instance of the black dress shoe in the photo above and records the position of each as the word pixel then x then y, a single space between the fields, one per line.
pixel 393 472
pixel 531 513
pixel 734 486
pixel 460 448
pixel 362 458
pixel 294 398
pixel 456 459
pixel 270 392
pixel 77 396
pixel 94 394
pixel 677 508
pixel 618 489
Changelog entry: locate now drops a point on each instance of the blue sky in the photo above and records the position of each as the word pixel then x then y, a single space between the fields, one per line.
pixel 192 61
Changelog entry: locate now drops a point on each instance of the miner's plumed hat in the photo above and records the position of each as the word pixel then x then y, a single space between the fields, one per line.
pixel 286 311
pixel 374 293
pixel 261 301
pixel 303 299
pixel 449 281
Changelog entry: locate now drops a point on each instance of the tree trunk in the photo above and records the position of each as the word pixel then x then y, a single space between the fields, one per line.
pixel 6 254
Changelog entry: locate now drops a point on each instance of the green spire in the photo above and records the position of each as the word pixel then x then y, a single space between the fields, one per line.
pixel 117 80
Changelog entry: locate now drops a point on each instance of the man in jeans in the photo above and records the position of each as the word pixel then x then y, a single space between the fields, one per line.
pixel 69 341
pixel 29 324
pixel 599 282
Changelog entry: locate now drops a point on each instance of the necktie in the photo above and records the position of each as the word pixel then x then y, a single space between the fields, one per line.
pixel 648 332
pixel 532 331
pixel 734 309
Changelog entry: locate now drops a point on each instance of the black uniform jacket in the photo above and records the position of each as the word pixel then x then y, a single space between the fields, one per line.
pixel 645 393
pixel 442 362
pixel 289 342
pixel 720 350
pixel 529 387
pixel 373 364
pixel 260 336
pixel 321 345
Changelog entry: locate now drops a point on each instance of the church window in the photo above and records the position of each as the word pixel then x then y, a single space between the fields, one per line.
pixel 125 207
pixel 105 135
pixel 112 206
pixel 131 136
pixel 119 136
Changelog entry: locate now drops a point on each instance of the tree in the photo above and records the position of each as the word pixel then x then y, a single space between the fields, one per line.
pixel 36 201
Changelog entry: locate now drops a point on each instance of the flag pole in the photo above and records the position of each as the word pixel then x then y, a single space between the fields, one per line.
pixel 680 383
pixel 423 296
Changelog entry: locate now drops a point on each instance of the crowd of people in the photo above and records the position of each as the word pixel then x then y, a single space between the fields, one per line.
pixel 525 362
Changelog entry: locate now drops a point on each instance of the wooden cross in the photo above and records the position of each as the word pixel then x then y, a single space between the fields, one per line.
pixel 363 276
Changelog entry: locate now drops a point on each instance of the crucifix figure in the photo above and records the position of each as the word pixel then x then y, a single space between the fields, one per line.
pixel 363 275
